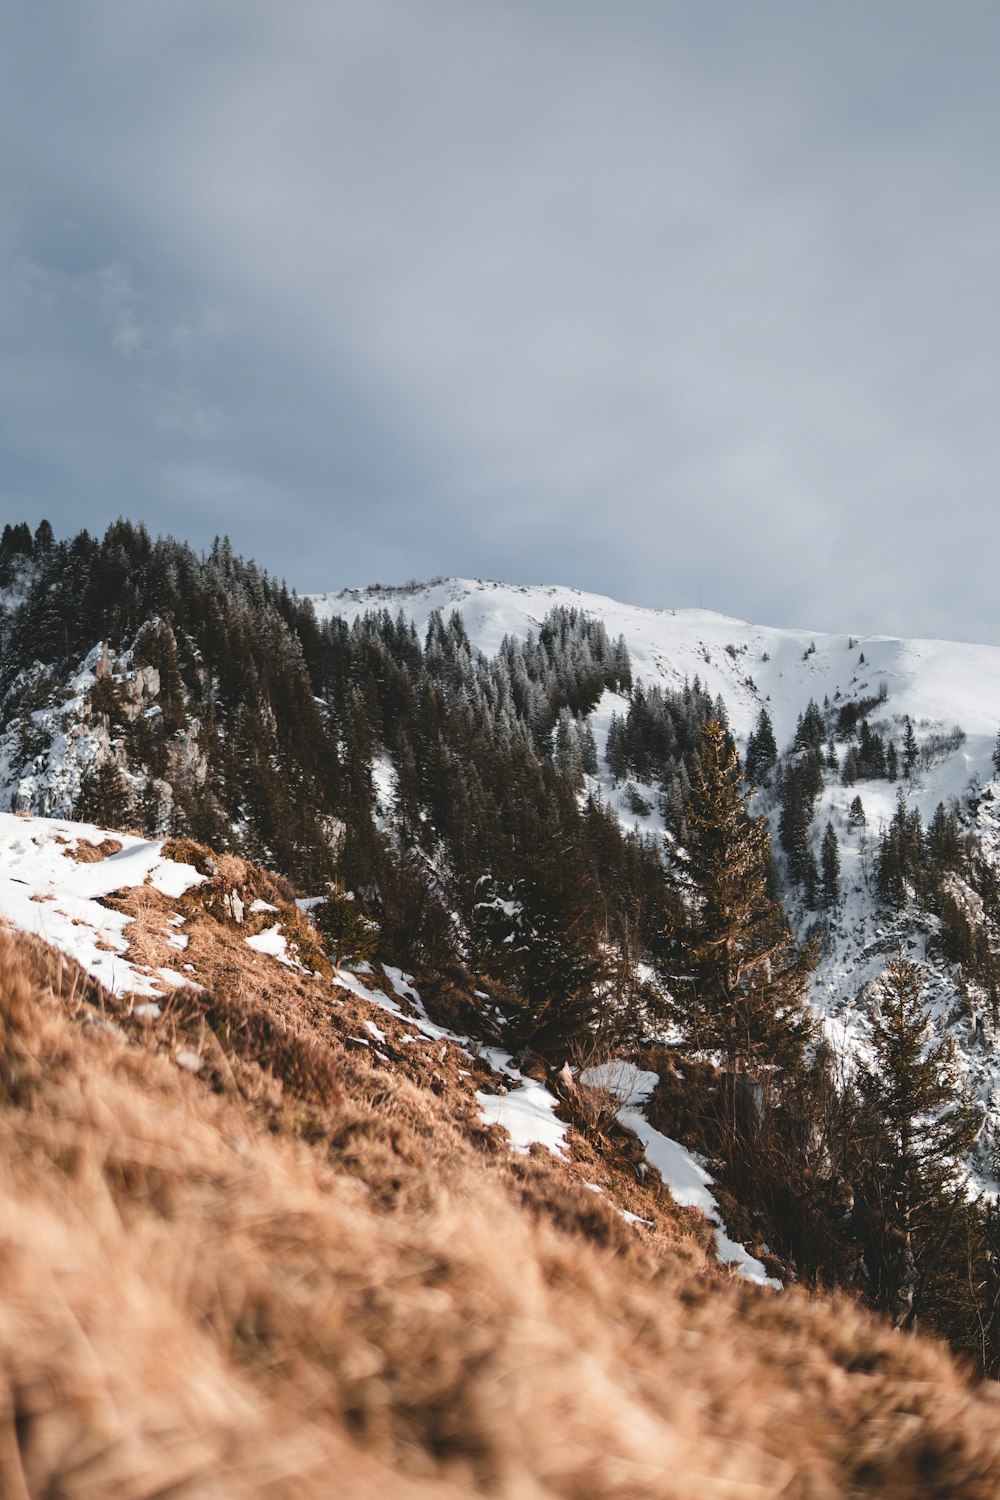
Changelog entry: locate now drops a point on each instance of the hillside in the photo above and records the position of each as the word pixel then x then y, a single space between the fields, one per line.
pixel 256 1235
pixel 941 682
pixel 938 686
pixel 529 801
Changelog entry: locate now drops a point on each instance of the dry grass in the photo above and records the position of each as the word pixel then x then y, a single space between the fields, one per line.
pixel 187 852
pixel 87 853
pixel 308 1272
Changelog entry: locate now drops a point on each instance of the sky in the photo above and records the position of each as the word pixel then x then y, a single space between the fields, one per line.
pixel 689 304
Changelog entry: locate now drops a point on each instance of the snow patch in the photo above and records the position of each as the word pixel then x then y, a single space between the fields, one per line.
pixel 527 1114
pixel 273 942
pixel 47 893
pixel 688 1180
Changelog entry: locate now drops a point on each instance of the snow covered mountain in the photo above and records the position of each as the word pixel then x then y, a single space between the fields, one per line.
pixel 501 784
pixel 948 691
pixel 936 682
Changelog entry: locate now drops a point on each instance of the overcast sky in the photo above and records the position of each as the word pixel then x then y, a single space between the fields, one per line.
pixel 685 303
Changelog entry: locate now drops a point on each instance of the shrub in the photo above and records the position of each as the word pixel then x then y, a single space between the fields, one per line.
pixel 348 936
pixel 188 852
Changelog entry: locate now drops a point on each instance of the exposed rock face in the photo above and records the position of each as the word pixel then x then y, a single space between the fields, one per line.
pixel 138 690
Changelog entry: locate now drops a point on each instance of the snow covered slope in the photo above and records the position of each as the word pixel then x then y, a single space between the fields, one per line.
pixel 53 878
pixel 939 686
pixel 935 682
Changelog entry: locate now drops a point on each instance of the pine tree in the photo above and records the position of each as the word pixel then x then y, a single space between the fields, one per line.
pixel 944 844
pixel 849 774
pixel 910 750
pixel 810 731
pixel 43 539
pixel 568 749
pixel 348 936
pixel 900 857
pixel 922 1125
pixel 588 748
pixel 871 752
pixel 622 666
pixel 616 749
pixel 762 751
pixel 830 868
pixel 544 934
pixel 856 814
pixel 104 797
pixel 735 975
pixel 801 784
pixel 891 762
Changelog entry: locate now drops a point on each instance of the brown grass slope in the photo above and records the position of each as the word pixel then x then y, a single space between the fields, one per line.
pixel 308 1271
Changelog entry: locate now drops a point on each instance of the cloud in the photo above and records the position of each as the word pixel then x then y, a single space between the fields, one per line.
pixel 682 305
pixel 120 303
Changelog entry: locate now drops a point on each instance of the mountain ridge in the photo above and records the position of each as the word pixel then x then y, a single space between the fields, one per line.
pixel 500 608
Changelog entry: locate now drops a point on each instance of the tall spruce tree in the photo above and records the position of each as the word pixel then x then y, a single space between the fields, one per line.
pixel 911 751
pixel 801 784
pixel 733 970
pixel 921 1126
pixel 762 750
pixel 544 935
pixel 830 867
pixel 104 797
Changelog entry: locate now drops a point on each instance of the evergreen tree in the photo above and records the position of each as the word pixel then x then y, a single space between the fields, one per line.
pixel 830 868
pixel 944 844
pixel 735 975
pixel 545 936
pixel 801 784
pixel 622 666
pixel 616 750
pixel 43 539
pixel 588 747
pixel 922 1126
pixel 104 797
pixel 910 750
pixel 871 752
pixel 849 773
pixel 856 814
pixel 568 749
pixel 900 858
pixel 810 731
pixel 762 751
pixel 348 936
pixel 891 762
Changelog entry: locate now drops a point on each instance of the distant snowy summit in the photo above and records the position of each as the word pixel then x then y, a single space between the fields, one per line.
pixel 936 683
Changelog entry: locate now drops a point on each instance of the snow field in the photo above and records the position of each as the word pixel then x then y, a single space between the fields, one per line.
pixel 44 891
